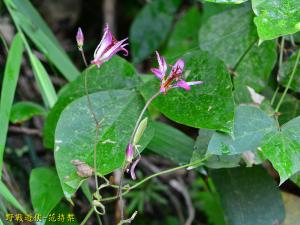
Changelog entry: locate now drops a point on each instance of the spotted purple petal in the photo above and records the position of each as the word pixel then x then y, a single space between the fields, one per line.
pixel 178 67
pixel 186 85
pixel 157 73
pixel 183 84
pixel 160 72
pixel 108 47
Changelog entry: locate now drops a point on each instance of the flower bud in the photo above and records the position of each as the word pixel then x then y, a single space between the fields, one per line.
pixel 129 153
pixel 79 38
pixel 140 131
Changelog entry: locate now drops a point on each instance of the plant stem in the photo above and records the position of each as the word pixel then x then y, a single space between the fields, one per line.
pixel 289 82
pixel 192 164
pixel 279 68
pixel 83 57
pixel 88 215
pixel 274 95
pixel 130 141
pixel 141 115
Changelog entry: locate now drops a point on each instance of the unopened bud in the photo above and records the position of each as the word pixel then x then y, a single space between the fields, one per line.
pixel 140 131
pixel 129 153
pixel 79 38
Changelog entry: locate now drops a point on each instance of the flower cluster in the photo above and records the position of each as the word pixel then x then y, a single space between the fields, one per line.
pixel 107 48
pixel 175 77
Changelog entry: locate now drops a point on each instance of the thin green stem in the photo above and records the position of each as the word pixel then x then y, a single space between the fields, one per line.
pixel 88 215
pixel 83 57
pixel 279 68
pixel 130 142
pixel 142 114
pixel 274 95
pixel 192 164
pixel 289 82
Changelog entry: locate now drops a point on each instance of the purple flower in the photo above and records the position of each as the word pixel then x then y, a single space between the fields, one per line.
pixel 132 168
pixel 174 80
pixel 129 153
pixel 79 38
pixel 108 47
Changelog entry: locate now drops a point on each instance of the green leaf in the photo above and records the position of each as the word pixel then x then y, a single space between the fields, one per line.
pixel 227 1
pixel 214 161
pixel 229 31
pixel 22 111
pixel 209 105
pixel 45 85
pixel 282 148
pixel 250 126
pixel 45 190
pixel 178 149
pixel 184 36
pixel 7 195
pixel 275 18
pixel 286 71
pixel 249 196
pixel 25 15
pixel 11 75
pixel 256 66
pixel 233 31
pixel 75 134
pixel 61 213
pixel 114 74
pixel 150 27
pixel 291 202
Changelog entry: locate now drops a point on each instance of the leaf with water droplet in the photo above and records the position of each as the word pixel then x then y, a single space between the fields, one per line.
pixel 250 126
pixel 275 18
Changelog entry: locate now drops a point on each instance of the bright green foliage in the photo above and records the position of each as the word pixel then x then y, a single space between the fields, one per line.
pixel 45 190
pixel 164 143
pixel 23 111
pixel 209 105
pixel 214 161
pixel 282 148
pixel 276 18
pixel 250 126
pixel 75 134
pixel 7 195
pixel 286 71
pixel 151 27
pixel 249 196
pixel 184 36
pixel 227 1
pixel 115 74
pixel 25 15
pixel 11 75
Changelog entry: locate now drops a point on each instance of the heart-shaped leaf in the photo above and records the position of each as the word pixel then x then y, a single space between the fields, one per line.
pixel 75 134
pixel 282 148
pixel 209 105
pixel 251 124
pixel 115 74
pixel 275 18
